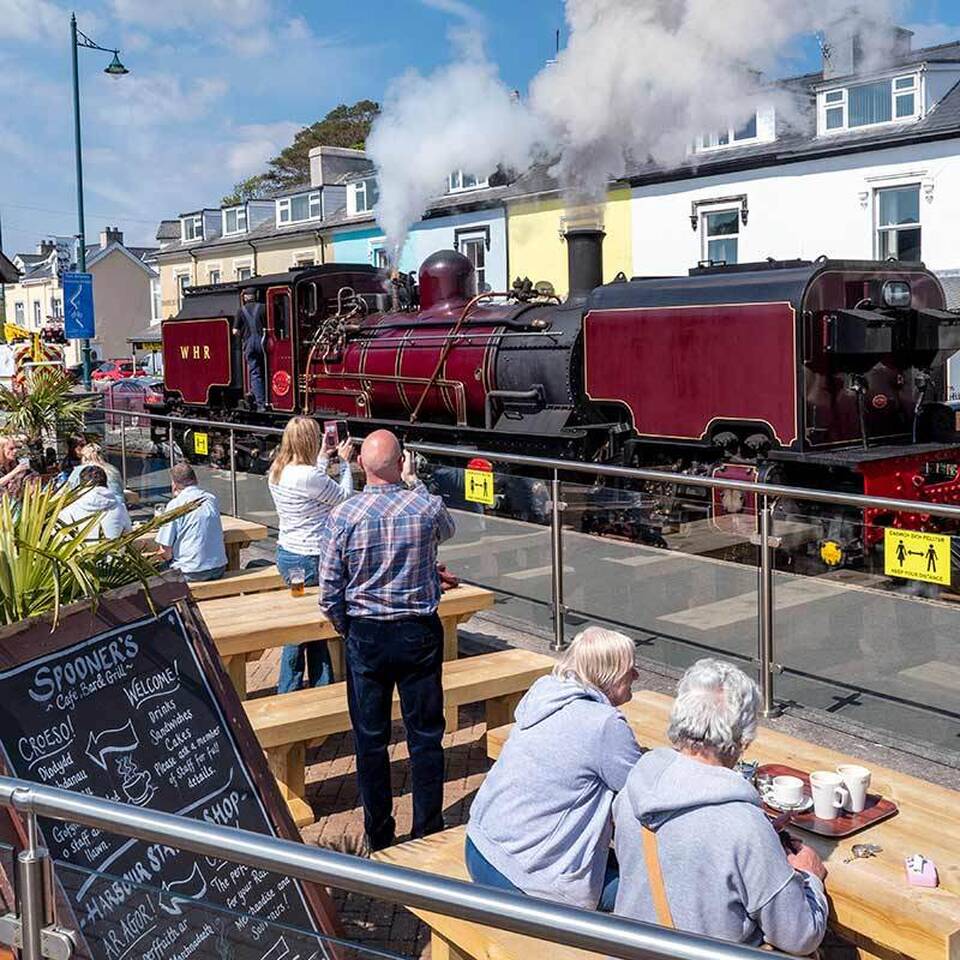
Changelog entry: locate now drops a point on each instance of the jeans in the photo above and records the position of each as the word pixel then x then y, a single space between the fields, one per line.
pixel 255 364
pixel 483 872
pixel 295 658
pixel 202 576
pixel 408 655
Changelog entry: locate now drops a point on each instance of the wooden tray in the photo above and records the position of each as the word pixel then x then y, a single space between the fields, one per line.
pixel 877 809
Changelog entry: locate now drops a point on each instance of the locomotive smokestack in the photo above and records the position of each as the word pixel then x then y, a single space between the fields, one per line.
pixel 584 260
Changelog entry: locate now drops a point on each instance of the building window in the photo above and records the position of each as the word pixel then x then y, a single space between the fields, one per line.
pixel 728 136
pixel 235 220
pixel 18 314
pixel 898 223
pixel 721 236
pixel 155 302
pixel 459 180
pixel 56 308
pixel 183 281
pixel 213 275
pixel 364 195
pixel 378 257
pixel 244 273
pixel 866 104
pixel 191 228
pixel 36 313
pixel 304 206
pixel 304 260
pixel 474 247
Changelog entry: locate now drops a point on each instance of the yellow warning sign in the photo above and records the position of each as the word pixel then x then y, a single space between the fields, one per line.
pixel 916 555
pixel 478 486
pixel 201 444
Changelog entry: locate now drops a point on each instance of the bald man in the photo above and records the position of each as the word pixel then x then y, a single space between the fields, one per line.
pixel 380 588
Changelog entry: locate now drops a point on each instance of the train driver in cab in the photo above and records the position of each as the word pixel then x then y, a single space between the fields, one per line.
pixel 249 324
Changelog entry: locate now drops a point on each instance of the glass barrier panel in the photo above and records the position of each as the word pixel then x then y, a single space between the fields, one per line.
pixel 216 911
pixel 866 621
pixel 8 860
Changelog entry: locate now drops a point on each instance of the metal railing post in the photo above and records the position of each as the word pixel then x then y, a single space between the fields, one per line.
pixel 234 499
pixel 556 559
pixel 765 608
pixel 123 450
pixel 173 459
pixel 30 892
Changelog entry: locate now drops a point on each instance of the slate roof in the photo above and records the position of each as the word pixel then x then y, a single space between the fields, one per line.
pixel 42 267
pixel 168 230
pixel 8 272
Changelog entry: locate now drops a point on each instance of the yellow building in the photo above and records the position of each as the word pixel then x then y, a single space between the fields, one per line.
pixel 536 223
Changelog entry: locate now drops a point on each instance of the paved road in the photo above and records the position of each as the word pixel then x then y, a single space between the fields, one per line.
pixel 903 650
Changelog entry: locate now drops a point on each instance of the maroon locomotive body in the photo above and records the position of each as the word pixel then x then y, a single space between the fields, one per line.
pixel 826 373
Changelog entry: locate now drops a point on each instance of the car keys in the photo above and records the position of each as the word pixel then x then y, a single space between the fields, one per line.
pixel 863 851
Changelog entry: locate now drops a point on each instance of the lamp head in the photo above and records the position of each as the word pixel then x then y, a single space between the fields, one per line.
pixel 115 67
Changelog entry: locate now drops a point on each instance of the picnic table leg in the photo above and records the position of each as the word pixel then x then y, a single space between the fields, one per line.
pixel 336 658
pixel 451 649
pixel 287 764
pixel 499 711
pixel 236 668
pixel 233 555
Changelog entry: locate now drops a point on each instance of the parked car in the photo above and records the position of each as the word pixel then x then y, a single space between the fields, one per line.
pixel 116 370
pixel 132 393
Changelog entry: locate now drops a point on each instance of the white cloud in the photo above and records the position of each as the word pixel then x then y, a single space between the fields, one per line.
pixel 931 34
pixel 32 20
pixel 457 8
pixel 149 100
pixel 256 143
pixel 189 14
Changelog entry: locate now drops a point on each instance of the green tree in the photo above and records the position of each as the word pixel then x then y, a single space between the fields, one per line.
pixel 248 189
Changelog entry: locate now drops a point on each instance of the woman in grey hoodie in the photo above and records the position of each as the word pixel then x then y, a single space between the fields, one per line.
pixel 696 850
pixel 540 823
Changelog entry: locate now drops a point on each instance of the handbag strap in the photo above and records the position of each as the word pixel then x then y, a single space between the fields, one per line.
pixel 658 890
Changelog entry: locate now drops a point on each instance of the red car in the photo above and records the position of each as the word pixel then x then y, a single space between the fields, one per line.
pixel 132 393
pixel 116 370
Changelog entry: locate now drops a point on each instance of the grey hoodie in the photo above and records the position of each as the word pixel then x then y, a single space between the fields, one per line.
pixel 542 815
pixel 725 872
pixel 114 520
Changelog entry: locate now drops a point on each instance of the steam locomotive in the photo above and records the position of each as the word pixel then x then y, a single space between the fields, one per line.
pixel 827 374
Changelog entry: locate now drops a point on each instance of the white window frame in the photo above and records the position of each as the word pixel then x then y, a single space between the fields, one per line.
pixel 56 309
pixel 19 314
pixel 197 221
pixel 378 255
pixel 840 102
pixel 359 190
pixel 705 212
pixel 703 144
pixel 305 259
pixel 156 301
pixel 481 236
pixel 214 268
pixel 877 229
pixel 240 214
pixel 37 314
pixel 244 265
pixel 179 279
pixel 455 182
pixel 285 208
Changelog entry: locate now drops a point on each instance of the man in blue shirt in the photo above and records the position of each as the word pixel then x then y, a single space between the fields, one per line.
pixel 380 588
pixel 193 543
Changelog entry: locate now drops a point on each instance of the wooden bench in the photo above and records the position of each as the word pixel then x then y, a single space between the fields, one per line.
pixel 286 724
pixel 236 583
pixel 871 904
pixel 237 534
pixel 241 626
pixel 453 939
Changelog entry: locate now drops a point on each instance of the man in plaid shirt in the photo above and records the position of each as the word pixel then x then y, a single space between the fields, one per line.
pixel 380 588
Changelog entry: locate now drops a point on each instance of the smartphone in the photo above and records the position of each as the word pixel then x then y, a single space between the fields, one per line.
pixel 335 431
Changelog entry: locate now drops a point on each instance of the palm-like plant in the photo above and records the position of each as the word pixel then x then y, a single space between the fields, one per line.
pixel 44 404
pixel 45 564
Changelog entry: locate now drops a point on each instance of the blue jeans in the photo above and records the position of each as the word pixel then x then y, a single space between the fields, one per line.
pixel 255 365
pixel 297 658
pixel 483 872
pixel 408 655
pixel 202 576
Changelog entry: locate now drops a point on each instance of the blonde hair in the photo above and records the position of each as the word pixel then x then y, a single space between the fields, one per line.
pixel 597 658
pixel 92 453
pixel 300 444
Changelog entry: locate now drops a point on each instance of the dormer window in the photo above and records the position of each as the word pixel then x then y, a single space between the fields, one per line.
pixel 191 228
pixel 362 196
pixel 235 220
pixel 893 100
pixel 727 137
pixel 302 207
pixel 460 180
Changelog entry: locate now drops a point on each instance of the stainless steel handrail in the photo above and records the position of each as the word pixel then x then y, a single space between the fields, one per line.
pixel 588 930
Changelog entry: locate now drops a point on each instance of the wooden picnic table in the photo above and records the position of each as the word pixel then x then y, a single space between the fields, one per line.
pixel 871 903
pixel 237 534
pixel 246 625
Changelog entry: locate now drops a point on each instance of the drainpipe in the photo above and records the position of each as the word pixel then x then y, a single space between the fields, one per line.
pixel 193 257
pixel 254 249
pixel 318 241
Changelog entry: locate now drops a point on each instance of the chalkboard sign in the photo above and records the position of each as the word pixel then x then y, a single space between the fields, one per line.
pixel 131 704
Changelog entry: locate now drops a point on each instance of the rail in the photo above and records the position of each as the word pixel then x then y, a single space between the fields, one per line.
pixel 588 930
pixel 556 469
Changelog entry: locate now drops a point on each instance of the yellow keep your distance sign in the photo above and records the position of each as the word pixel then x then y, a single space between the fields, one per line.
pixel 478 482
pixel 916 556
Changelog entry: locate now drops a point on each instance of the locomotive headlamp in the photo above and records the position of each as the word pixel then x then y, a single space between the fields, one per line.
pixel 896 293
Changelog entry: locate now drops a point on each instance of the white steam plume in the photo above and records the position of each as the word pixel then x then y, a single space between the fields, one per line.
pixel 637 81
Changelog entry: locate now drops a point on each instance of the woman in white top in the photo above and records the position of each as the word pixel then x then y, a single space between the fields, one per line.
pixel 91 455
pixel 304 495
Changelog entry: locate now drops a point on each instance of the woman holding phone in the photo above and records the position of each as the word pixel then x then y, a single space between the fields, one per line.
pixel 304 494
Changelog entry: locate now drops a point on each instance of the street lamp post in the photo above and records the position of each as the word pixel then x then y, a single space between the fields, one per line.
pixel 114 69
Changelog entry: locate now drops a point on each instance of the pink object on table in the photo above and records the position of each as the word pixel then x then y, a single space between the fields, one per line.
pixel 921 872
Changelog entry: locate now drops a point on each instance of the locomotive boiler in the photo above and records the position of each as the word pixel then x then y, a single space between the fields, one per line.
pixel 826 373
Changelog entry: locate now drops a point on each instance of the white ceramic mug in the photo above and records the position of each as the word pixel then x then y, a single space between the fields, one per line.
pixel 829 794
pixel 787 791
pixel 857 781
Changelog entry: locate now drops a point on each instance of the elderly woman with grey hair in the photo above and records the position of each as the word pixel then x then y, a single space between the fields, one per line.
pixel 540 823
pixel 696 850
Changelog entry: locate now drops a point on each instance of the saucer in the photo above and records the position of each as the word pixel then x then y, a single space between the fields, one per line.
pixel 805 804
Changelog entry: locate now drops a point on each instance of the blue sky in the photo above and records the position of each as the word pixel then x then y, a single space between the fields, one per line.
pixel 218 86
